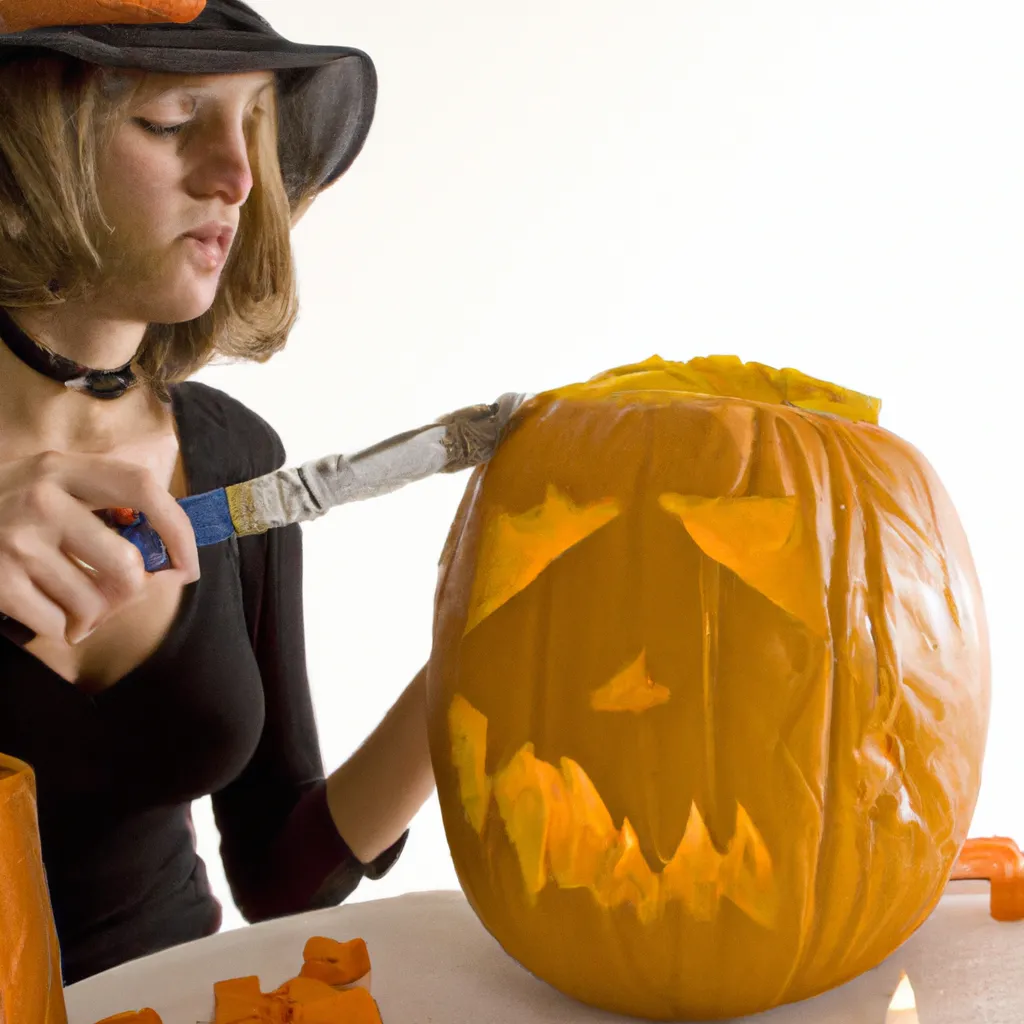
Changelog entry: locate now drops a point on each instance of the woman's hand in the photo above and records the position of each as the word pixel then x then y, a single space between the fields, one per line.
pixel 62 570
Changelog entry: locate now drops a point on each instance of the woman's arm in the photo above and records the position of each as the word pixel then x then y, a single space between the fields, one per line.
pixel 374 795
pixel 281 849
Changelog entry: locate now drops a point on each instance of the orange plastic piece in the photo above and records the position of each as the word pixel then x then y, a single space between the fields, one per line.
pixel 999 861
pixel 18 15
pixel 30 980
pixel 334 962
pixel 146 1016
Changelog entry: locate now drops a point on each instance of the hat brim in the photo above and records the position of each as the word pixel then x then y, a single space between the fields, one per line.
pixel 326 94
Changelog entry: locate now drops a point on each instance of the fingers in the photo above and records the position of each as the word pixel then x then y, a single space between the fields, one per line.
pixel 101 482
pixel 55 597
pixel 35 611
pixel 62 570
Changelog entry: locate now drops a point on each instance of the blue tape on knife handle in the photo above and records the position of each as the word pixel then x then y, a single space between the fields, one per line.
pixel 211 523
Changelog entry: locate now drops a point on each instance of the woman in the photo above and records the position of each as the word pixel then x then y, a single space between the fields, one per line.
pixel 149 177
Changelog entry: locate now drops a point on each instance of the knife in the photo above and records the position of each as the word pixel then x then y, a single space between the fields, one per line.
pixel 452 443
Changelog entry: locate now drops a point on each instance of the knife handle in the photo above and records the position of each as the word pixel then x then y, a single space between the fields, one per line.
pixel 134 527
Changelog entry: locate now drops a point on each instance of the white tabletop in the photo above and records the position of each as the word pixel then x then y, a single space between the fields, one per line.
pixel 433 963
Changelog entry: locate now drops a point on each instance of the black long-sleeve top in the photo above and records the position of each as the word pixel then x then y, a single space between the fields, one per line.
pixel 211 711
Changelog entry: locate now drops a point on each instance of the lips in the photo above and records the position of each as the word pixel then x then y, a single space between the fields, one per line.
pixel 215 238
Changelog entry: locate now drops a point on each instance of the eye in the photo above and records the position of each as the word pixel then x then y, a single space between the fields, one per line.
pixel 517 547
pixel 160 130
pixel 765 543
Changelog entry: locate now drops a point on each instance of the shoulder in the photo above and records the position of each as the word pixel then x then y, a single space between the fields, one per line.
pixel 221 435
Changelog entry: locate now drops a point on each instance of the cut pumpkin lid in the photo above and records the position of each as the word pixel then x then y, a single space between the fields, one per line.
pixel 729 377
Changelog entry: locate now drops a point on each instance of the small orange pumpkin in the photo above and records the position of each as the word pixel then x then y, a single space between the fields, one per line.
pixel 709 688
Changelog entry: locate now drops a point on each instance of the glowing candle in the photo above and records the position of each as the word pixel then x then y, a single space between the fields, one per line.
pixel 903 1008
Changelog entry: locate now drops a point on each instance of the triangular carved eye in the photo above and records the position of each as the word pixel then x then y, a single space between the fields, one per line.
pixel 764 542
pixel 516 549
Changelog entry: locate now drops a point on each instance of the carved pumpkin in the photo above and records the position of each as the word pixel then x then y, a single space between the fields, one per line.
pixel 30 979
pixel 709 689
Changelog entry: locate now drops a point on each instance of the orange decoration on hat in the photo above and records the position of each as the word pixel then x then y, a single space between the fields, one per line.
pixel 19 15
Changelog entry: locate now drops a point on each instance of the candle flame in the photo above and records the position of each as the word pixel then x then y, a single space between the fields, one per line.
pixel 903 1008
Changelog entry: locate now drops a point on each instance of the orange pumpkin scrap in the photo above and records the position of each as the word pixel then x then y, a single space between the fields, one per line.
pixel 305 1000
pixel 335 963
pixel 709 688
pixel 146 1016
pixel 237 999
pixel 18 15
pixel 30 978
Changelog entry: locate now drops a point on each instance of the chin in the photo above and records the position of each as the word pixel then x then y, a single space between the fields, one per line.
pixel 179 305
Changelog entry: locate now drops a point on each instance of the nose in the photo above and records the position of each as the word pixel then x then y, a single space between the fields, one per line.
pixel 224 169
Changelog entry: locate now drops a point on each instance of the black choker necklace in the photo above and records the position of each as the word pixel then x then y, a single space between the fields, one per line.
pixel 98 383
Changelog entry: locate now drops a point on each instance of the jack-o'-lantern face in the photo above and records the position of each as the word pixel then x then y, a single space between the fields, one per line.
pixel 709 689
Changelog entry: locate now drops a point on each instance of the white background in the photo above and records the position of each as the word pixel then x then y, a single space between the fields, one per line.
pixel 555 187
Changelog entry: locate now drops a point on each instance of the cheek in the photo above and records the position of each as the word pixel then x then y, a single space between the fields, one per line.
pixel 136 186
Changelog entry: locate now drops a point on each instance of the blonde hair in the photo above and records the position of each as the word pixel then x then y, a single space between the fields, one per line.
pixel 57 116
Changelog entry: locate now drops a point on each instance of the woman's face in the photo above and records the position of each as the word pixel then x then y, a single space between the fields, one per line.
pixel 179 164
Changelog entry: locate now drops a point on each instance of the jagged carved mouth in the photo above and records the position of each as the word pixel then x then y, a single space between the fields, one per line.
pixel 563 834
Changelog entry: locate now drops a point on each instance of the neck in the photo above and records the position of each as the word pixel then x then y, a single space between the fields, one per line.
pixel 34 406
